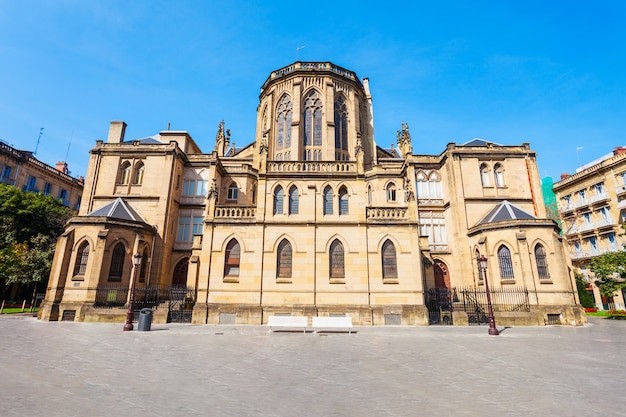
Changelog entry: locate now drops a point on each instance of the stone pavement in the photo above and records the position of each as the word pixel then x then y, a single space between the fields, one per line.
pixel 94 369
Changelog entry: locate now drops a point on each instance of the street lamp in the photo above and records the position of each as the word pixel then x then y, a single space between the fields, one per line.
pixel 131 302
pixel 482 264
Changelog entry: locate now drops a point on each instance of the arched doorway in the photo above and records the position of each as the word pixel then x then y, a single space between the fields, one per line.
pixel 179 277
pixel 440 297
pixel 182 299
pixel 442 275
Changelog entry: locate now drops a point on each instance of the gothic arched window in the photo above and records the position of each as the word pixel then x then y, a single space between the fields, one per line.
pixel 498 175
pixel 117 262
pixel 341 129
pixel 82 256
pixel 124 177
pixel 283 123
pixel 337 269
pixel 231 261
pixel 542 262
pixel 312 125
pixel 283 260
pixel 390 265
pixel 343 201
pixel 278 200
pixel 143 269
pixel 139 171
pixel 484 175
pixel 506 263
pixel 328 200
pixel 293 200
pixel 391 192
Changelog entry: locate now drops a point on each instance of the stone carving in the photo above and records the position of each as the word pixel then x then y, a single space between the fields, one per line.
pixel 213 193
pixel 404 140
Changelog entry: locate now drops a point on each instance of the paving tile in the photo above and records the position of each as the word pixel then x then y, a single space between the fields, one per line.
pixel 96 369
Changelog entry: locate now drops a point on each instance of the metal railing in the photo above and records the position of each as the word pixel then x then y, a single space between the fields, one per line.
pixel 471 299
pixel 112 296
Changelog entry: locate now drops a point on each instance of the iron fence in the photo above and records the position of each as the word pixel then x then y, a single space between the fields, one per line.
pixel 502 299
pixel 111 296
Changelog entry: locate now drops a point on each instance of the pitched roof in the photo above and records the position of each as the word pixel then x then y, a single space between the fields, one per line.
pixel 149 140
pixel 505 211
pixel 118 209
pixel 480 142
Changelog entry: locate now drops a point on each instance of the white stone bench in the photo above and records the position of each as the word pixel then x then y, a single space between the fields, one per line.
pixel 336 322
pixel 287 322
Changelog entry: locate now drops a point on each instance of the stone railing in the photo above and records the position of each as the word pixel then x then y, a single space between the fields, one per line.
pixel 383 213
pixel 593 252
pixel 439 247
pixel 599 197
pixel 312 66
pixel 235 212
pixel 311 166
pixel 430 201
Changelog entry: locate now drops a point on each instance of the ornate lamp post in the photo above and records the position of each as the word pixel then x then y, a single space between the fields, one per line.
pixel 131 302
pixel 482 263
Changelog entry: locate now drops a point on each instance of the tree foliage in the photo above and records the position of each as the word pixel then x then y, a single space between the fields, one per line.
pixel 29 226
pixel 610 272
pixel 586 299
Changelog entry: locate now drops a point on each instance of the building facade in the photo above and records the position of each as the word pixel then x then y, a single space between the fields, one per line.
pixel 592 207
pixel 21 169
pixel 314 219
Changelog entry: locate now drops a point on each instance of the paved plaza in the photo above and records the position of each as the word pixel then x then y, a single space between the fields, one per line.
pixel 94 369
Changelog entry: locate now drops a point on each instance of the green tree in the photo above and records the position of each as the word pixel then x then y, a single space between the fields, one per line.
pixel 29 226
pixel 610 272
pixel 586 299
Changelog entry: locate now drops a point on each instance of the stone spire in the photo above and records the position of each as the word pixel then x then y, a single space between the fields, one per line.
pixel 222 139
pixel 404 140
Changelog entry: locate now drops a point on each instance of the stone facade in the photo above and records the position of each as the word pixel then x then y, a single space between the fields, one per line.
pixel 592 210
pixel 21 169
pixel 312 218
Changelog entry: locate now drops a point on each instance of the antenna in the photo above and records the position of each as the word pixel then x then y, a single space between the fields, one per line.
pixel 578 148
pixel 68 146
pixel 38 139
pixel 298 50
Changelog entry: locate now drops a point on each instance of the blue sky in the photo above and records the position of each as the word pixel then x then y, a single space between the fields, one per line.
pixel 551 73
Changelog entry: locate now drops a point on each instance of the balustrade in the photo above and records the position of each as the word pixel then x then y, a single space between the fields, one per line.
pixel 234 212
pixel 311 166
pixel 386 212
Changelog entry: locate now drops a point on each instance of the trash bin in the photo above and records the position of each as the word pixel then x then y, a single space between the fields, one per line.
pixel 145 320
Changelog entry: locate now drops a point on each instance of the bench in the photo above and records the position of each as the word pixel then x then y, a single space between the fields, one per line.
pixel 287 322
pixel 336 322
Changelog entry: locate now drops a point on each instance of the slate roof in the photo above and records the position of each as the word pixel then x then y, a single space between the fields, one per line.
pixel 118 209
pixel 149 140
pixel 480 142
pixel 505 211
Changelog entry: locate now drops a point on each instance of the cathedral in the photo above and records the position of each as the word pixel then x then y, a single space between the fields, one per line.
pixel 313 218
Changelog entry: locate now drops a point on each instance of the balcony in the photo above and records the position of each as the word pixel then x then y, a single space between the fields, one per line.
pixel 311 167
pixel 608 222
pixel 437 202
pixel 620 190
pixel 599 197
pixel 582 254
pixel 439 248
pixel 567 207
pixel 232 213
pixel 580 203
pixel 386 213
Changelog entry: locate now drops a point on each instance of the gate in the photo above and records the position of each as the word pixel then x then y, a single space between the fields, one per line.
pixel 440 306
pixel 476 313
pixel 181 302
